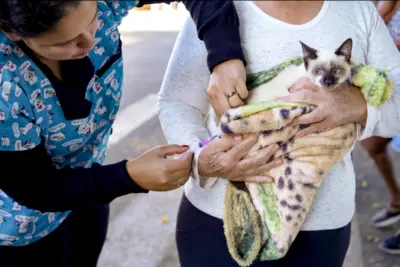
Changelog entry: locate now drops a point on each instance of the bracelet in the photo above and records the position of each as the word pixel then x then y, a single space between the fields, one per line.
pixel 205 142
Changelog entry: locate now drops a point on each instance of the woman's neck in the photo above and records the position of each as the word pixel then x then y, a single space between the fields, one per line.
pixel 292 12
pixel 54 66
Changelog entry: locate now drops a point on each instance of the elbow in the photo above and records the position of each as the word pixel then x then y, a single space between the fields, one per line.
pixel 162 105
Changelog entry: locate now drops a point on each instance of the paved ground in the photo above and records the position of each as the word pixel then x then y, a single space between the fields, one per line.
pixel 137 236
pixel 372 196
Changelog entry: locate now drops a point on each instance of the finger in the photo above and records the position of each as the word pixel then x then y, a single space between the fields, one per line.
pixel 304 83
pixel 221 104
pixel 168 150
pixel 264 169
pixel 243 147
pixel 183 156
pixel 241 89
pixel 298 84
pixel 235 101
pixel 314 128
pixel 302 96
pixel 184 163
pixel 223 143
pixel 258 159
pixel 258 179
pixel 313 117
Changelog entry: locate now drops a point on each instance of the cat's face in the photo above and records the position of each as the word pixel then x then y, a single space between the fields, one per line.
pixel 328 68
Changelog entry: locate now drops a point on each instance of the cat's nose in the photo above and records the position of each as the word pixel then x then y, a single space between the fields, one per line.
pixel 328 81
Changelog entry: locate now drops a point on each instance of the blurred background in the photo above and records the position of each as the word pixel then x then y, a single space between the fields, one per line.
pixel 141 232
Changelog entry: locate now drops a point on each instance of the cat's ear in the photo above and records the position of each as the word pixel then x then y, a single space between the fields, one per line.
pixel 345 49
pixel 308 53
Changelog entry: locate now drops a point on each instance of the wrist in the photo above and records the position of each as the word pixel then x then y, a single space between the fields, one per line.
pixel 200 168
pixel 364 116
pixel 232 60
pixel 130 168
pixel 359 106
pixel 200 173
pixel 363 112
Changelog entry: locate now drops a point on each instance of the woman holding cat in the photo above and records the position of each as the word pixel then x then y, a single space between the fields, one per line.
pixel 271 31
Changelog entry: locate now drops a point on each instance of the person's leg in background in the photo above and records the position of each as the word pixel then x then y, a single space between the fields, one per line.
pixel 201 242
pixel 389 11
pixel 377 150
pixel 88 233
pixel 391 245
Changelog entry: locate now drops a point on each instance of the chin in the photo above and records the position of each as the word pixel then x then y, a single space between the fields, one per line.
pixel 77 57
pixel 331 86
pixel 59 58
pixel 69 57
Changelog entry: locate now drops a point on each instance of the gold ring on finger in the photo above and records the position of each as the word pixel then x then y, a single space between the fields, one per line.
pixel 231 94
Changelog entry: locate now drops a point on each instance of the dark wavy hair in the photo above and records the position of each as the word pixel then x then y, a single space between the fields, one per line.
pixel 30 18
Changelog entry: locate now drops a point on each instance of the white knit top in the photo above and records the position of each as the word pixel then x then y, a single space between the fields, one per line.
pixel 267 42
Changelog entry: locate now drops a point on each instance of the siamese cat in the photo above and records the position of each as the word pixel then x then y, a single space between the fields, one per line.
pixel 326 68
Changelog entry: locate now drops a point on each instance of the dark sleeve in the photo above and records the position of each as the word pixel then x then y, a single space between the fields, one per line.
pixel 30 178
pixel 217 25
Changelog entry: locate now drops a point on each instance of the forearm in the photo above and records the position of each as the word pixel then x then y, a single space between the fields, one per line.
pixel 386 10
pixel 397 42
pixel 30 179
pixel 217 26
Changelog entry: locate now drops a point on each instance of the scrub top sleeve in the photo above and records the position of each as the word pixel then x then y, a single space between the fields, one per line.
pixel 18 130
pixel 120 8
pixel 28 175
pixel 30 179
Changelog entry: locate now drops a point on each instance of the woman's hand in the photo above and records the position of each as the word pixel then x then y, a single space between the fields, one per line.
pixel 334 107
pixel 155 171
pixel 227 86
pixel 223 157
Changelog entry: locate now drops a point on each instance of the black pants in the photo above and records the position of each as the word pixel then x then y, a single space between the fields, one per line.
pixel 76 242
pixel 201 243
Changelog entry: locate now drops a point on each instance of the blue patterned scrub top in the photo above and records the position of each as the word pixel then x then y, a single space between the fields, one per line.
pixel 30 113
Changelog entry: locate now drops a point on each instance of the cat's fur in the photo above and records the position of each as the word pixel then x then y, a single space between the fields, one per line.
pixel 327 68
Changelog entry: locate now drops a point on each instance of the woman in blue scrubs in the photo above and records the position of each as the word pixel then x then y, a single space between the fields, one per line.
pixel 61 75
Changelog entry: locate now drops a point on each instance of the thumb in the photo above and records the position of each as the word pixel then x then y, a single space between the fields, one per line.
pixel 169 150
pixel 187 155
